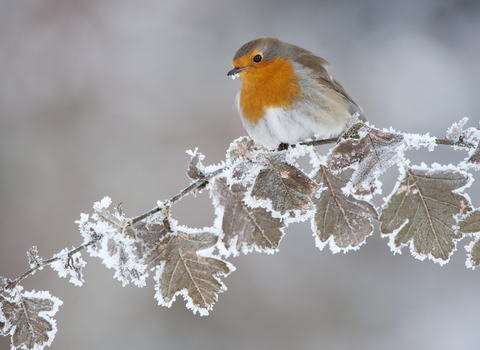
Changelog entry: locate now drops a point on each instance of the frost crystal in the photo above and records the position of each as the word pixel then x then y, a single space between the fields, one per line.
pixel 28 318
pixel 455 131
pixel 69 265
pixel 422 209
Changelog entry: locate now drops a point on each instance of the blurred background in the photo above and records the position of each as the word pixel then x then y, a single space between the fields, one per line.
pixel 103 97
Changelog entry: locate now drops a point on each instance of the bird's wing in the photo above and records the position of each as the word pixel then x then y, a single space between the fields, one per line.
pixel 318 65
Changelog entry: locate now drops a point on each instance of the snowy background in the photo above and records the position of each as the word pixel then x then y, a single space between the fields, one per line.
pixel 103 97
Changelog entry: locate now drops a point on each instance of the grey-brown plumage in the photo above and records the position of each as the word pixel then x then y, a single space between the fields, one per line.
pixel 273 47
pixel 287 95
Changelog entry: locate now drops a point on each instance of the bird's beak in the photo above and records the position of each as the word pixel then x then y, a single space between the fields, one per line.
pixel 235 71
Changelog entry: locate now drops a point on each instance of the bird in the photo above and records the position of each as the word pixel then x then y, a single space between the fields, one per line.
pixel 287 96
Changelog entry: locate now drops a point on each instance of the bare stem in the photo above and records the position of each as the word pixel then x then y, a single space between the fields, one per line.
pixel 447 142
pixel 192 187
pixel 41 264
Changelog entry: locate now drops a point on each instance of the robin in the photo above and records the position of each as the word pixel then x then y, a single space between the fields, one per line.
pixel 287 96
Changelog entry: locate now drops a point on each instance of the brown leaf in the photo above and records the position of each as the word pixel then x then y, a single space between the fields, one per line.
pixel 473 257
pixel 240 148
pixel 344 219
pixel 285 186
pixel 29 319
pixel 3 283
pixel 185 271
pixel 195 167
pixel 253 228
pixel 148 238
pixel 421 210
pixel 375 151
pixel 471 223
pixel 475 158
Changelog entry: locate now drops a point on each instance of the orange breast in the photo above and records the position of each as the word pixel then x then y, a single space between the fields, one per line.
pixel 272 83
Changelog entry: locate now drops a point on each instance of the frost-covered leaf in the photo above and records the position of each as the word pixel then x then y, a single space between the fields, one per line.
pixel 149 235
pixel 375 151
pixel 3 282
pixel 471 223
pixel 116 246
pixel 33 258
pixel 473 257
pixel 240 149
pixel 475 157
pixel 422 209
pixel 27 318
pixel 195 168
pixel 341 219
pixel 69 265
pixel 244 228
pixel 473 253
pixel 455 131
pixel 183 269
pixel 283 188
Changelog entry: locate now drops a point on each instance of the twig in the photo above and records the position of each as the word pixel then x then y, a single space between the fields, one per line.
pixel 43 263
pixel 193 186
pixel 198 183
pixel 320 142
pixel 447 142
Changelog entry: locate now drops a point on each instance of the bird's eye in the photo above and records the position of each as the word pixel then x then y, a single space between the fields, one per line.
pixel 257 58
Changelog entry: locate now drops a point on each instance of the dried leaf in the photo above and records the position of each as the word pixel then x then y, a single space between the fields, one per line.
pixel 3 282
pixel 69 265
pixel 28 319
pixel 473 257
pixel 284 188
pixel 421 212
pixel 183 270
pixel 375 151
pixel 33 257
pixel 471 223
pixel 342 220
pixel 116 245
pixel 456 130
pixel 148 238
pixel 475 157
pixel 195 168
pixel 240 148
pixel 248 228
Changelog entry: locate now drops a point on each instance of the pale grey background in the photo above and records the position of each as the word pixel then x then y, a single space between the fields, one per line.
pixel 103 98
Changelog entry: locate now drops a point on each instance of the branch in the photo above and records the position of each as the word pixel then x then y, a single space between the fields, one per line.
pixel 320 142
pixel 192 187
pixel 11 284
pixel 351 133
pixel 459 143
